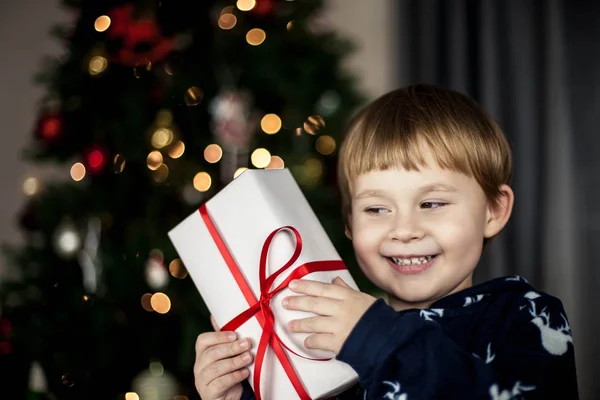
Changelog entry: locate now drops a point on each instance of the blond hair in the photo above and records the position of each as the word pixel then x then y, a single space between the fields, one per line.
pixel 390 133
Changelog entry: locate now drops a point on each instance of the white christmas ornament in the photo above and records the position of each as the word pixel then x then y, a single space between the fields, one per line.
pixel 156 274
pixel 155 383
pixel 67 240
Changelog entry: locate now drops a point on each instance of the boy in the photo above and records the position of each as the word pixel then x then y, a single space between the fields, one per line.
pixel 424 175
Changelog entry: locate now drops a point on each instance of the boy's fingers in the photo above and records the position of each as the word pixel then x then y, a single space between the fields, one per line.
pixel 340 282
pixel 213 322
pixel 208 339
pixel 315 288
pixel 320 341
pixel 225 350
pixel 226 366
pixel 311 325
pixel 221 385
pixel 317 305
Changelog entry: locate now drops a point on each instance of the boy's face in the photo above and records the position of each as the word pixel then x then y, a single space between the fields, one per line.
pixel 401 219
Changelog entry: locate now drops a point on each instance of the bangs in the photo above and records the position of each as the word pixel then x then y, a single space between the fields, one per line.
pixel 386 142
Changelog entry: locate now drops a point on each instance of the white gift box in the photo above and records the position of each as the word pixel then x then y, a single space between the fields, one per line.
pixel 244 214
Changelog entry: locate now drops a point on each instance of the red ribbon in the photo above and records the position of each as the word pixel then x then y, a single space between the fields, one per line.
pixel 261 309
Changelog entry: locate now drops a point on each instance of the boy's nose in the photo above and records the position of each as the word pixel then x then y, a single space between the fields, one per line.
pixel 405 229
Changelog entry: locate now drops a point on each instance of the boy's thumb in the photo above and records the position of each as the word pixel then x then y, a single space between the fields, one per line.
pixel 340 282
pixel 214 324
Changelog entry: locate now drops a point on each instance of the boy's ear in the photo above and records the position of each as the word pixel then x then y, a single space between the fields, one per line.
pixel 499 212
pixel 347 232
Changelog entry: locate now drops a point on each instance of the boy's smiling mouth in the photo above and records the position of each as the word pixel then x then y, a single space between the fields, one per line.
pixel 412 264
pixel 412 259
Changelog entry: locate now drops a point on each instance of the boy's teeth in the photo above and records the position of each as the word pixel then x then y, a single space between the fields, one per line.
pixel 412 260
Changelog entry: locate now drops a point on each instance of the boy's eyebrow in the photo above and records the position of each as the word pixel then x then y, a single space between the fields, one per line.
pixel 370 193
pixel 437 187
pixel 432 187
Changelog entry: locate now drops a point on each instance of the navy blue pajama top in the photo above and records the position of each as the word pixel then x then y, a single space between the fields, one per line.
pixel 499 340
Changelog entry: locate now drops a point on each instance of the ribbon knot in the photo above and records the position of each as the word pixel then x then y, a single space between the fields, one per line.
pixel 261 308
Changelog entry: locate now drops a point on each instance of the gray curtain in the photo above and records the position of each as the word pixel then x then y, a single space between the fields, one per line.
pixel 522 60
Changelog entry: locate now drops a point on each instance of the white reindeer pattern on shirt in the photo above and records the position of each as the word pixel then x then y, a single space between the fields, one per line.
pixel 554 340
pixel 434 312
pixel 394 393
pixel 515 393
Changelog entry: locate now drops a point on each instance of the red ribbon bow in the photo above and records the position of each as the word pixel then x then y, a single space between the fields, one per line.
pixel 261 309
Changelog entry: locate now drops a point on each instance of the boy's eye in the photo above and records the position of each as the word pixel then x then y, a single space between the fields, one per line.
pixel 376 210
pixel 433 204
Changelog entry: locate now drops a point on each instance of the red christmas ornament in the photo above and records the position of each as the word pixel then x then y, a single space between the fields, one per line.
pixel 5 336
pixel 141 38
pixel 49 126
pixel 95 159
pixel 263 7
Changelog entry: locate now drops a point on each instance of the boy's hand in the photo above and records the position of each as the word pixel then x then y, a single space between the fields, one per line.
pixel 220 365
pixel 339 307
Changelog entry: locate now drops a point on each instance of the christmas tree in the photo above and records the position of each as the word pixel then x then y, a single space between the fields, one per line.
pixel 155 106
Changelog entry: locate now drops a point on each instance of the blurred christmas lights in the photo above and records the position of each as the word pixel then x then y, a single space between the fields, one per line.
pixel 177 269
pixel 154 160
pixel 213 153
pixel 31 186
pixel 313 124
pixel 245 5
pixel 161 173
pixel 202 181
pixel 160 303
pixel 325 145
pixel 239 171
pixel 255 36
pixel 77 171
pixel 97 65
pixel 260 158
pixel 270 124
pixel 102 23
pixel 227 21
pixel 276 163
pixel 193 96
pixel 177 149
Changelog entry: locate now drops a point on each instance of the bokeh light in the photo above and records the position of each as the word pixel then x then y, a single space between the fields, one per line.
pixel 141 68
pixel 160 303
pixel 161 173
pixel 313 124
pixel 193 96
pixel 213 153
pixel 260 158
pixel 177 269
pixel 31 186
pixel 154 160
pixel 77 171
pixel 177 149
pixel 289 25
pixel 132 396
pixel 202 181
pixel 162 137
pixel 270 124
pixel 325 144
pixel 146 302
pixel 276 163
pixel 245 5
pixel 255 36
pixel 118 164
pixel 227 21
pixel 97 65
pixel 102 23
pixel 239 171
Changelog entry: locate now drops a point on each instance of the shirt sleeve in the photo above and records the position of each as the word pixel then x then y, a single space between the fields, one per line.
pixel 248 393
pixel 403 356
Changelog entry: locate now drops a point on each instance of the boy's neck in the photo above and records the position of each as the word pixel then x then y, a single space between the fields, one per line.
pixel 400 305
